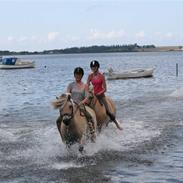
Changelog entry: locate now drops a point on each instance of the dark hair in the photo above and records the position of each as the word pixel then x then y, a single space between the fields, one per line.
pixel 94 63
pixel 79 70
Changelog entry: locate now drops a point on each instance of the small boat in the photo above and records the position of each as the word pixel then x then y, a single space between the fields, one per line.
pixel 15 63
pixel 128 74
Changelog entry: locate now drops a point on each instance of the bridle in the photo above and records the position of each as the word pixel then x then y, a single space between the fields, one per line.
pixel 67 117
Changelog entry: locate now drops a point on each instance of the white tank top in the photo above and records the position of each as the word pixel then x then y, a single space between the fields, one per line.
pixel 77 94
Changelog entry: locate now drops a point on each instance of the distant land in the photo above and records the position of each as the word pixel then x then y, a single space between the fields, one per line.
pixel 99 49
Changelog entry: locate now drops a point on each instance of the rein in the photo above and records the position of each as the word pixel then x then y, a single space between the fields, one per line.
pixel 92 100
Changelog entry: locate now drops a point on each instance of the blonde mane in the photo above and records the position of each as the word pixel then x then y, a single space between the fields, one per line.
pixel 61 100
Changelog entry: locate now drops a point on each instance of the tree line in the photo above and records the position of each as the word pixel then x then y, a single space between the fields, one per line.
pixel 89 49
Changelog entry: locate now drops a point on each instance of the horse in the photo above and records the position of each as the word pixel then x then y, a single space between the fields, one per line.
pixel 72 124
pixel 100 111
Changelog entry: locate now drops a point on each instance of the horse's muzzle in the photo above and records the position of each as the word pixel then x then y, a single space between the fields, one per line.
pixel 66 119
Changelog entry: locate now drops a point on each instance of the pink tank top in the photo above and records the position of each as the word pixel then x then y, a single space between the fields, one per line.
pixel 97 82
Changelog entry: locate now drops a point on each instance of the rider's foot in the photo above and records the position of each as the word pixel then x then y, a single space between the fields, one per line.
pixel 117 124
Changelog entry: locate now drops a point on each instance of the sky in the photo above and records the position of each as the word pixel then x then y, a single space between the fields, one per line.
pixel 37 25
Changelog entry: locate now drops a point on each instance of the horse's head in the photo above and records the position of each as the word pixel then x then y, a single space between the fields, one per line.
pixel 66 107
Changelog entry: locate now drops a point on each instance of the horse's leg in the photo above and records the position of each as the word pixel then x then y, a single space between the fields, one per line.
pixel 107 123
pixel 90 123
pixel 58 122
pixel 99 128
pixel 68 145
pixel 81 144
pixel 92 131
pixel 81 148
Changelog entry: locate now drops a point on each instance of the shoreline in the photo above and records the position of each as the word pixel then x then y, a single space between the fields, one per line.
pixel 161 49
pixel 52 52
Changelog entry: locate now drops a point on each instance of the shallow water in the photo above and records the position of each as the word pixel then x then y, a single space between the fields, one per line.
pixel 149 149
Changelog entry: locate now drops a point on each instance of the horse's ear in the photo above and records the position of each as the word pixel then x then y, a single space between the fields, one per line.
pixel 90 89
pixel 63 95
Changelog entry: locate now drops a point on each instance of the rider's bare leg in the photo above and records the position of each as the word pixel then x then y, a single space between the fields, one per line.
pixel 109 113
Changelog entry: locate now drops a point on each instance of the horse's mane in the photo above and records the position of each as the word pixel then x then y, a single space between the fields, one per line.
pixel 60 101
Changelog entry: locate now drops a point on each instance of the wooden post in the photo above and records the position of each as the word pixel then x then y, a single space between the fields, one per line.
pixel 177 69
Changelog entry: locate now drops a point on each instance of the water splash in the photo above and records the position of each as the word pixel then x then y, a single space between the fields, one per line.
pixel 178 93
pixel 134 133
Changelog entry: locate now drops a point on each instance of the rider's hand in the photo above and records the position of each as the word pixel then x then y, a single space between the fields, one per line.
pixel 81 103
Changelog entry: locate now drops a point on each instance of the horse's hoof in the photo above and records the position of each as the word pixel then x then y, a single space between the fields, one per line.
pixel 81 148
pixel 93 137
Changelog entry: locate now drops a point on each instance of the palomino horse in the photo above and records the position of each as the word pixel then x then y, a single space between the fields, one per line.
pixel 73 125
pixel 100 111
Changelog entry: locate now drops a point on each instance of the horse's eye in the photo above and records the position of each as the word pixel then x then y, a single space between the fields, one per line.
pixel 70 107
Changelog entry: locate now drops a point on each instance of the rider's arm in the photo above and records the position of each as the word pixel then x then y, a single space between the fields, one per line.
pixel 104 84
pixel 69 88
pixel 85 101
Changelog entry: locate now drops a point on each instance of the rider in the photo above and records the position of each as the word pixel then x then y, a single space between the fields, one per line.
pixel 99 85
pixel 77 88
pixel 79 94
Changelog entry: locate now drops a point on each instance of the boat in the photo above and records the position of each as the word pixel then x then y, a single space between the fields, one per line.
pixel 15 63
pixel 128 74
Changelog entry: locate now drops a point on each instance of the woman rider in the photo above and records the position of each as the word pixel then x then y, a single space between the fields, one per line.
pixel 79 94
pixel 99 85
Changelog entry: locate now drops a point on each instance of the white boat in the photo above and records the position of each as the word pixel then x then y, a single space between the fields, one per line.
pixel 17 64
pixel 134 73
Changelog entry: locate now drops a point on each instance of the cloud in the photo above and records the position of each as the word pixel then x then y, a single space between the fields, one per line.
pixel 52 36
pixel 10 38
pixel 140 34
pixel 34 38
pixel 169 35
pixel 95 34
pixel 23 39
pixel 74 38
pixel 158 33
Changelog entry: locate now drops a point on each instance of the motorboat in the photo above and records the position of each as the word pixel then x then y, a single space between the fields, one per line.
pixel 15 63
pixel 133 73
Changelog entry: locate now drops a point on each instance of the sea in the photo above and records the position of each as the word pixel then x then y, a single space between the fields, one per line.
pixel 148 150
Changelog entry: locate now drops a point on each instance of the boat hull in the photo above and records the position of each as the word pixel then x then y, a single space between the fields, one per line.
pixel 18 65
pixel 136 73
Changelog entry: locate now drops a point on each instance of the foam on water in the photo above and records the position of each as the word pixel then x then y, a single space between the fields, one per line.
pixel 111 139
pixel 178 93
pixel 64 165
pixel 47 148
pixel 8 135
pixel 46 145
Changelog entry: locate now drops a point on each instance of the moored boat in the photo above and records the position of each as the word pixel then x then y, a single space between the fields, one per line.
pixel 15 63
pixel 128 74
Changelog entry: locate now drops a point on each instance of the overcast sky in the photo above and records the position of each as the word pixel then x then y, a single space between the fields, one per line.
pixel 37 25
